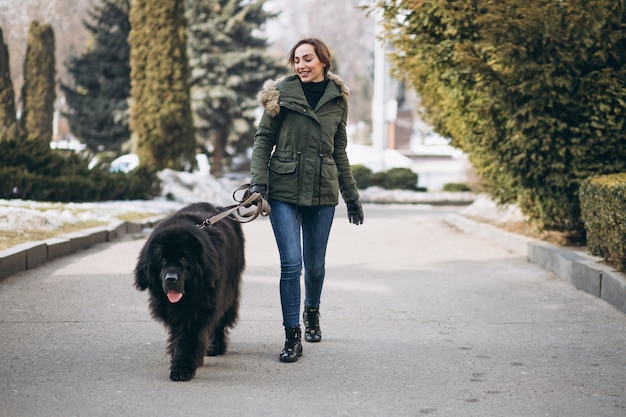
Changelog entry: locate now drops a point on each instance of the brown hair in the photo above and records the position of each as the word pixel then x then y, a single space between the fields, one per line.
pixel 321 50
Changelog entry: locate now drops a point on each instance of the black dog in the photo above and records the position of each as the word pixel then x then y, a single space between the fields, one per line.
pixel 193 276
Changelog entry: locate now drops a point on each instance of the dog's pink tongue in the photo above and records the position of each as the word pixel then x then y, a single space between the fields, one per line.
pixel 174 296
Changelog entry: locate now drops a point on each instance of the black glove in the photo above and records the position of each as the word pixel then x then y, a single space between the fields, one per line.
pixel 256 188
pixel 355 212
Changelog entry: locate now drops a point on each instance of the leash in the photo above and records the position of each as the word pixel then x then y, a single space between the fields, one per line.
pixel 236 213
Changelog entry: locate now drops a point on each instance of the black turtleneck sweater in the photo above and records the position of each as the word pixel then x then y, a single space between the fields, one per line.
pixel 314 91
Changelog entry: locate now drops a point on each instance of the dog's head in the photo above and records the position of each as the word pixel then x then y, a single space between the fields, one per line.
pixel 174 273
pixel 171 262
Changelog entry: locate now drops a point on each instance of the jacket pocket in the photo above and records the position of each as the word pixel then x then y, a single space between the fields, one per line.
pixel 283 176
pixel 283 167
pixel 329 182
pixel 329 169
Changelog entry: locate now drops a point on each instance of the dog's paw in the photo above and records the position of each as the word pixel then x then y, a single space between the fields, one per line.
pixel 216 347
pixel 216 350
pixel 181 374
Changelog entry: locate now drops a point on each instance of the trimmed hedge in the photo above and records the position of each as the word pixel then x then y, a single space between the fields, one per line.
pixel 603 210
pixel 362 176
pixel 32 171
pixel 531 91
pixel 392 179
pixel 456 187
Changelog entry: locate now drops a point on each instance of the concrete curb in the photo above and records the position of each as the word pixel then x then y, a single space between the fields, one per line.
pixel 32 254
pixel 587 273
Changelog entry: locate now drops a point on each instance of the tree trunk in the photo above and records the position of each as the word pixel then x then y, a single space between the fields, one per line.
pixel 219 146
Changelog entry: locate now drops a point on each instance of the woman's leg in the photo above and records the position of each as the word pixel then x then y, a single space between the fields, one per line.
pixel 286 223
pixel 316 225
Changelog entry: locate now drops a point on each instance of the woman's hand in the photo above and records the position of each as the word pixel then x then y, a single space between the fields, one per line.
pixel 355 212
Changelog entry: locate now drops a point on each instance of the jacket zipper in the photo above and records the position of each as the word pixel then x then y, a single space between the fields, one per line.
pixel 319 182
pixel 298 155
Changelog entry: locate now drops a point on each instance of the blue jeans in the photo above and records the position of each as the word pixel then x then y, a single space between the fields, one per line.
pixel 302 237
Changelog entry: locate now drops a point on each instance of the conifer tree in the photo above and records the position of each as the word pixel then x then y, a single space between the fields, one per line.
pixel 532 91
pixel 98 99
pixel 160 108
pixel 38 91
pixel 228 67
pixel 8 120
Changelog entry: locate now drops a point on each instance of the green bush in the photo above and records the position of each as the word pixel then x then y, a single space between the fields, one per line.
pixel 392 179
pixel 397 179
pixel 32 171
pixel 456 187
pixel 603 210
pixel 362 176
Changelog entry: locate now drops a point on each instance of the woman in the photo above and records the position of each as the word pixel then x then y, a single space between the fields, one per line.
pixel 299 163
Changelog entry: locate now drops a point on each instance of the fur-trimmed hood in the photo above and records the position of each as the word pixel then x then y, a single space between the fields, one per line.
pixel 269 96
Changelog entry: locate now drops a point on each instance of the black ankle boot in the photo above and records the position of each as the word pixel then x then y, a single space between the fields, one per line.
pixel 293 345
pixel 311 316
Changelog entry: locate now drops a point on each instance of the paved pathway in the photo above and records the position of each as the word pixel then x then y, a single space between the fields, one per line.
pixel 418 319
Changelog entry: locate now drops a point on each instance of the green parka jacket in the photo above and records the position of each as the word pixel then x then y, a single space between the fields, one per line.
pixel 300 152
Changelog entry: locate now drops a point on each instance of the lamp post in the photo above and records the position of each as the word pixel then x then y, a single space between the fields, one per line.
pixel 379 131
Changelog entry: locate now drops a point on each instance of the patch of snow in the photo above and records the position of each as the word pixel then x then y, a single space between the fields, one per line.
pixel 182 188
pixel 190 187
pixel 179 189
pixel 377 160
pixel 486 209
pixel 15 218
pixel 384 196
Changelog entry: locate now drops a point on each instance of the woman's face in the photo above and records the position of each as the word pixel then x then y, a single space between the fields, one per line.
pixel 307 65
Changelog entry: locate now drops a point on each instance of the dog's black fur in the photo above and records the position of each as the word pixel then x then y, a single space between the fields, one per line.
pixel 205 267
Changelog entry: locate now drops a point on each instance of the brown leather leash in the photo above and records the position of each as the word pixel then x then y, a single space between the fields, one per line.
pixel 236 213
